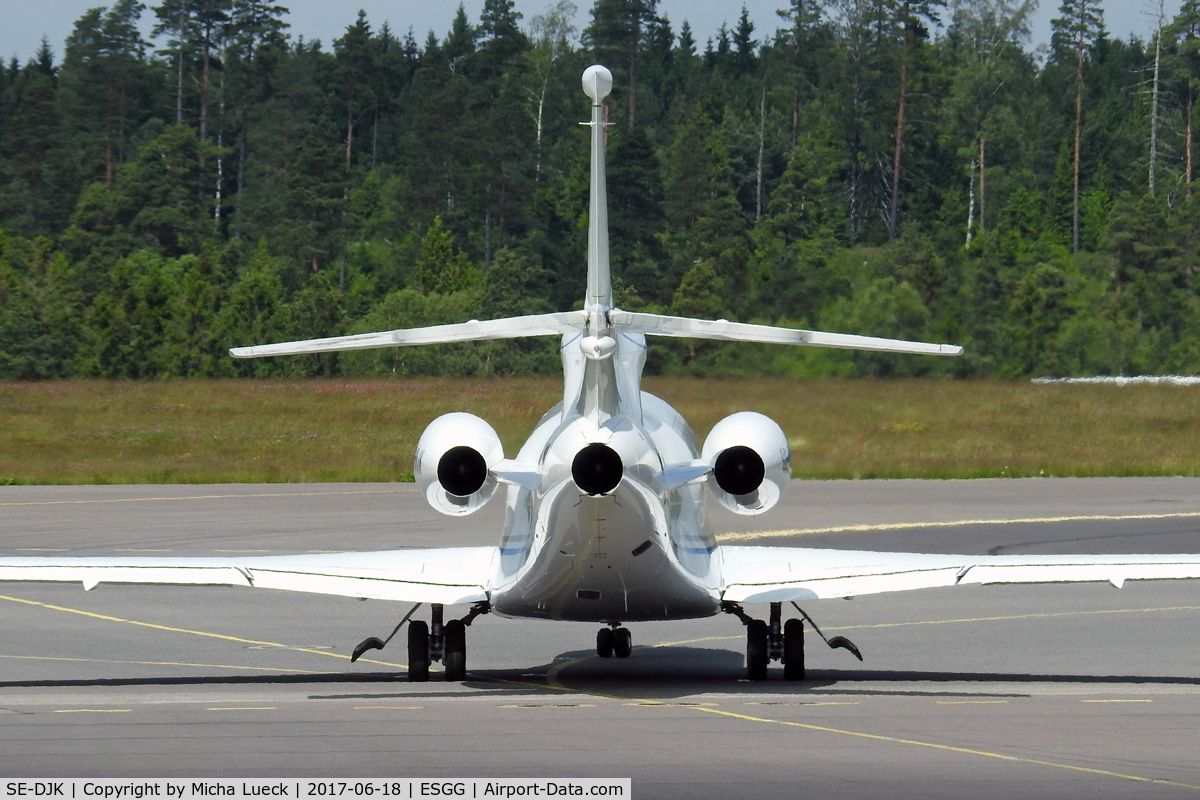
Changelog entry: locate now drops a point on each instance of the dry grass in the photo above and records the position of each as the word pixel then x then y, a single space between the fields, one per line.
pixel 281 431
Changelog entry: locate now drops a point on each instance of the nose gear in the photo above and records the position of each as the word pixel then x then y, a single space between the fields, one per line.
pixel 614 640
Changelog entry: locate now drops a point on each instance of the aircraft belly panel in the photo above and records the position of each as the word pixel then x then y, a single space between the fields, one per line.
pixel 604 559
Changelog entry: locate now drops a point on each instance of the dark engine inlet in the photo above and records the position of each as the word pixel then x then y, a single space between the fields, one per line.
pixel 739 470
pixel 461 471
pixel 597 469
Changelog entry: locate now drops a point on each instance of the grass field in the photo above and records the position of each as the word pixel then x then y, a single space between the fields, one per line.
pixel 337 430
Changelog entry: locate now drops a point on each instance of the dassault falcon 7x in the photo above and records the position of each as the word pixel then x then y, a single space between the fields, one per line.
pixel 604 518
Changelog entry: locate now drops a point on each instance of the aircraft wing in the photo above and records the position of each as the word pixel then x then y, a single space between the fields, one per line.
pixel 687 328
pixel 450 576
pixel 780 574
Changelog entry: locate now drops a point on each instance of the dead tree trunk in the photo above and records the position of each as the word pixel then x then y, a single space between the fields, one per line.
pixel 762 130
pixel 894 206
pixel 982 193
pixel 1191 99
pixel 1078 128
pixel 179 68
pixel 1154 101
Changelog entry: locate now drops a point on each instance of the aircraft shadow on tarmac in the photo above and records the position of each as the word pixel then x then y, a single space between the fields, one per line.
pixel 650 673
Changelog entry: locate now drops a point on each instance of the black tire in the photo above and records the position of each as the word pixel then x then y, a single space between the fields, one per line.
pixel 418 651
pixel 604 642
pixel 622 642
pixel 455 656
pixel 793 650
pixel 757 657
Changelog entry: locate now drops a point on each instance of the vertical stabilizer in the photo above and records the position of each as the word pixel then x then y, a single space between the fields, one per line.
pixel 597 83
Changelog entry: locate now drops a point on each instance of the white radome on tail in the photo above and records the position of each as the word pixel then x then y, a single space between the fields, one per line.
pixel 605 516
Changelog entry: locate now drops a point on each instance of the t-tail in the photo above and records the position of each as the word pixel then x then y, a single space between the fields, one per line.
pixel 599 320
pixel 597 83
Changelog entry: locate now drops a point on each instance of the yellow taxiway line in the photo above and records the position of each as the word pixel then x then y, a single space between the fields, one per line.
pixel 192 497
pixel 726 538
pixel 171 629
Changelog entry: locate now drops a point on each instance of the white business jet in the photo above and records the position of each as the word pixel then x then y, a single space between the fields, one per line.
pixel 604 518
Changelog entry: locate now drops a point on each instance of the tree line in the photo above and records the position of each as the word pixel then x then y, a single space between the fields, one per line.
pixel 901 168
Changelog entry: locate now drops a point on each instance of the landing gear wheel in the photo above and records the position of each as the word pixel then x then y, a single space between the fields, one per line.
pixel 418 651
pixel 455 643
pixel 622 642
pixel 793 650
pixel 605 642
pixel 757 657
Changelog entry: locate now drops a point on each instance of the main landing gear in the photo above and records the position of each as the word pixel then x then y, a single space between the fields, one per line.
pixel 614 640
pixel 770 641
pixel 431 642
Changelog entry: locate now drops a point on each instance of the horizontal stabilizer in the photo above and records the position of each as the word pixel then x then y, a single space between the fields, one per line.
pixel 684 327
pixel 507 328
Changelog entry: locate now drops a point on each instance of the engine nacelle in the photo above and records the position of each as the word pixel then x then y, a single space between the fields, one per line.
pixel 454 460
pixel 750 460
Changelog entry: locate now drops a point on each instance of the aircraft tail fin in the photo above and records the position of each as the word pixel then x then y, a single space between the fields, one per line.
pixel 684 327
pixel 597 83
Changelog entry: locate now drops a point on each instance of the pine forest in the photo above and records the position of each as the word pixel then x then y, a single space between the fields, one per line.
pixel 914 169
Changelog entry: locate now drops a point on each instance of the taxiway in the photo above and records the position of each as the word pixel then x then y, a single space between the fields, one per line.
pixel 982 691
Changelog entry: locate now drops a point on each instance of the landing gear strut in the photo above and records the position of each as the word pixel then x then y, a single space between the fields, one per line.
pixel 771 641
pixel 614 640
pixel 432 642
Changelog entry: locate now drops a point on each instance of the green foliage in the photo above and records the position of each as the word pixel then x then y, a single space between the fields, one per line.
pixel 411 308
pixel 240 186
pixel 442 268
pixel 38 311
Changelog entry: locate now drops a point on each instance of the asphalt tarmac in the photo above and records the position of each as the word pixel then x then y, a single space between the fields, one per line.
pixel 974 691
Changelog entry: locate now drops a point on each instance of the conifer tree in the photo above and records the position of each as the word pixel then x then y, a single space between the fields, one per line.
pixel 256 28
pixel 911 18
pixel 25 145
pixel 745 59
pixel 501 37
pixel 1185 28
pixel 615 39
pixel 799 39
pixel 356 55
pixel 1076 31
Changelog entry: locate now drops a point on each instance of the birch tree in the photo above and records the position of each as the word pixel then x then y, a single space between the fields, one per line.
pixel 551 34
pixel 990 34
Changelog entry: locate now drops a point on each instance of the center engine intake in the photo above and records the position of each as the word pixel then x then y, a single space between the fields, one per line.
pixel 597 469
pixel 750 460
pixel 454 460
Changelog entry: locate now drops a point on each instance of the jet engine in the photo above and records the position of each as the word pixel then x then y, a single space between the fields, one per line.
pixel 597 469
pixel 750 461
pixel 454 460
